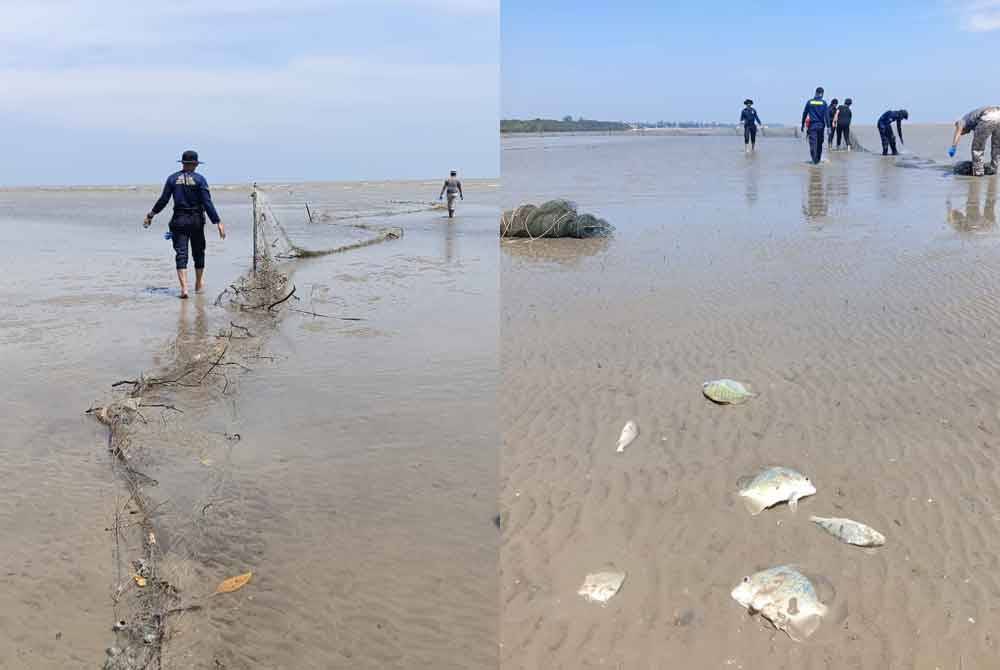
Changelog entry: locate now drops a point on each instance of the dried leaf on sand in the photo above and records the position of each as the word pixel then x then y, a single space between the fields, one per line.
pixel 233 583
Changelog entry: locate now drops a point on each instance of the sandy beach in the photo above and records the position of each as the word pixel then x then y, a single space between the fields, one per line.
pixel 855 296
pixel 361 487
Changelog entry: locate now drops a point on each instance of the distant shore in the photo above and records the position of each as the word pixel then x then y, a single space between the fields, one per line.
pixel 782 131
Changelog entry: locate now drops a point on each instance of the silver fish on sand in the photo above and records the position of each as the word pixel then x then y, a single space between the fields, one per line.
pixel 772 486
pixel 785 597
pixel 600 587
pixel 727 391
pixel 629 433
pixel 851 532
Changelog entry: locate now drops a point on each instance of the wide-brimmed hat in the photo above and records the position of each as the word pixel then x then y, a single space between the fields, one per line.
pixel 190 156
pixel 748 101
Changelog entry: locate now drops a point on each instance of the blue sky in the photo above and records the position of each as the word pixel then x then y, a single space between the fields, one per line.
pixel 644 60
pixel 111 92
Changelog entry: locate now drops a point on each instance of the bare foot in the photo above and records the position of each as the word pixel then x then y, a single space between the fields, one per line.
pixel 199 288
pixel 184 296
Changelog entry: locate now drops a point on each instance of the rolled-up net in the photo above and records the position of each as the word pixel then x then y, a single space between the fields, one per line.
pixel 555 218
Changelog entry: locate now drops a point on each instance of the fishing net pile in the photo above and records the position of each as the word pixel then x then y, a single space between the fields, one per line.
pixel 555 218
pixel 964 168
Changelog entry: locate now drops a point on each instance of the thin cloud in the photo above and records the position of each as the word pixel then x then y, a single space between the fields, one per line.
pixel 982 16
pixel 47 26
pixel 238 103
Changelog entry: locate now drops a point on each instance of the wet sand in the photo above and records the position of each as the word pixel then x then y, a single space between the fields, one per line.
pixel 362 489
pixel 858 297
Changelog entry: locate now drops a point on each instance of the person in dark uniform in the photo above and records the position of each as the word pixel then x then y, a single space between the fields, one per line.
pixel 885 129
pixel 831 122
pixel 815 114
pixel 842 120
pixel 192 201
pixel 750 121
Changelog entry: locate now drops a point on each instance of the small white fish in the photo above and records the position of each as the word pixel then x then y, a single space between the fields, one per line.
pixel 785 597
pixel 727 391
pixel 851 532
pixel 600 587
pixel 629 433
pixel 772 486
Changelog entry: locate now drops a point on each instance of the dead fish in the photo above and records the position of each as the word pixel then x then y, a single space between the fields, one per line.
pixel 772 486
pixel 727 391
pixel 785 597
pixel 629 433
pixel 600 587
pixel 851 532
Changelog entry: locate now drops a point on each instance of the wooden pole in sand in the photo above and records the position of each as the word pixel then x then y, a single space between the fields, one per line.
pixel 253 197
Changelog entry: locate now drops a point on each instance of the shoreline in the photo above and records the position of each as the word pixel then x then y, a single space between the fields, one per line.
pixel 229 186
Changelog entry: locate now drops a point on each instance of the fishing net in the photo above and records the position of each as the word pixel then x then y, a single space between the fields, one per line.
pixel 266 287
pixel 555 218
pixel 272 241
pixel 162 544
pixel 154 583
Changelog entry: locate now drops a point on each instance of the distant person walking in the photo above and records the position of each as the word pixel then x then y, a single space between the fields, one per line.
pixel 192 200
pixel 885 129
pixel 453 187
pixel 815 116
pixel 750 121
pixel 842 120
pixel 983 123
pixel 831 121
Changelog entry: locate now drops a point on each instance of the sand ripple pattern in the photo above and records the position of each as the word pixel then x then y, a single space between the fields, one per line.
pixel 872 344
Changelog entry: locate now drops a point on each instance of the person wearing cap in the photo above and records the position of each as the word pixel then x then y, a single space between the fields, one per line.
pixel 885 129
pixel 192 201
pixel 983 123
pixel 750 121
pixel 453 187
pixel 815 115
pixel 842 121
pixel 831 121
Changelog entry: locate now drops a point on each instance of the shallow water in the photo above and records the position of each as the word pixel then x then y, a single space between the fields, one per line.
pixel 856 296
pixel 362 489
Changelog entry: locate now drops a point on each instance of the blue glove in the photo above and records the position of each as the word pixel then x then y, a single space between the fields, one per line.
pixel 167 235
pixel 951 151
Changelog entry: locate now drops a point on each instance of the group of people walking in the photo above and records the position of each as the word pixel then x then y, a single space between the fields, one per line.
pixel 822 120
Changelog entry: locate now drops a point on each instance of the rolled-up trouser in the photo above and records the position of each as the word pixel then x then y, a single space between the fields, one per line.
pixel 451 201
pixel 983 130
pixel 816 142
pixel 750 133
pixel 888 139
pixel 844 131
pixel 188 228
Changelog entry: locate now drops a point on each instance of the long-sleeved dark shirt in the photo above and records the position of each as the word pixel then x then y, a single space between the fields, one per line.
pixel 190 193
pixel 890 117
pixel 816 111
pixel 749 116
pixel 887 119
pixel 844 115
